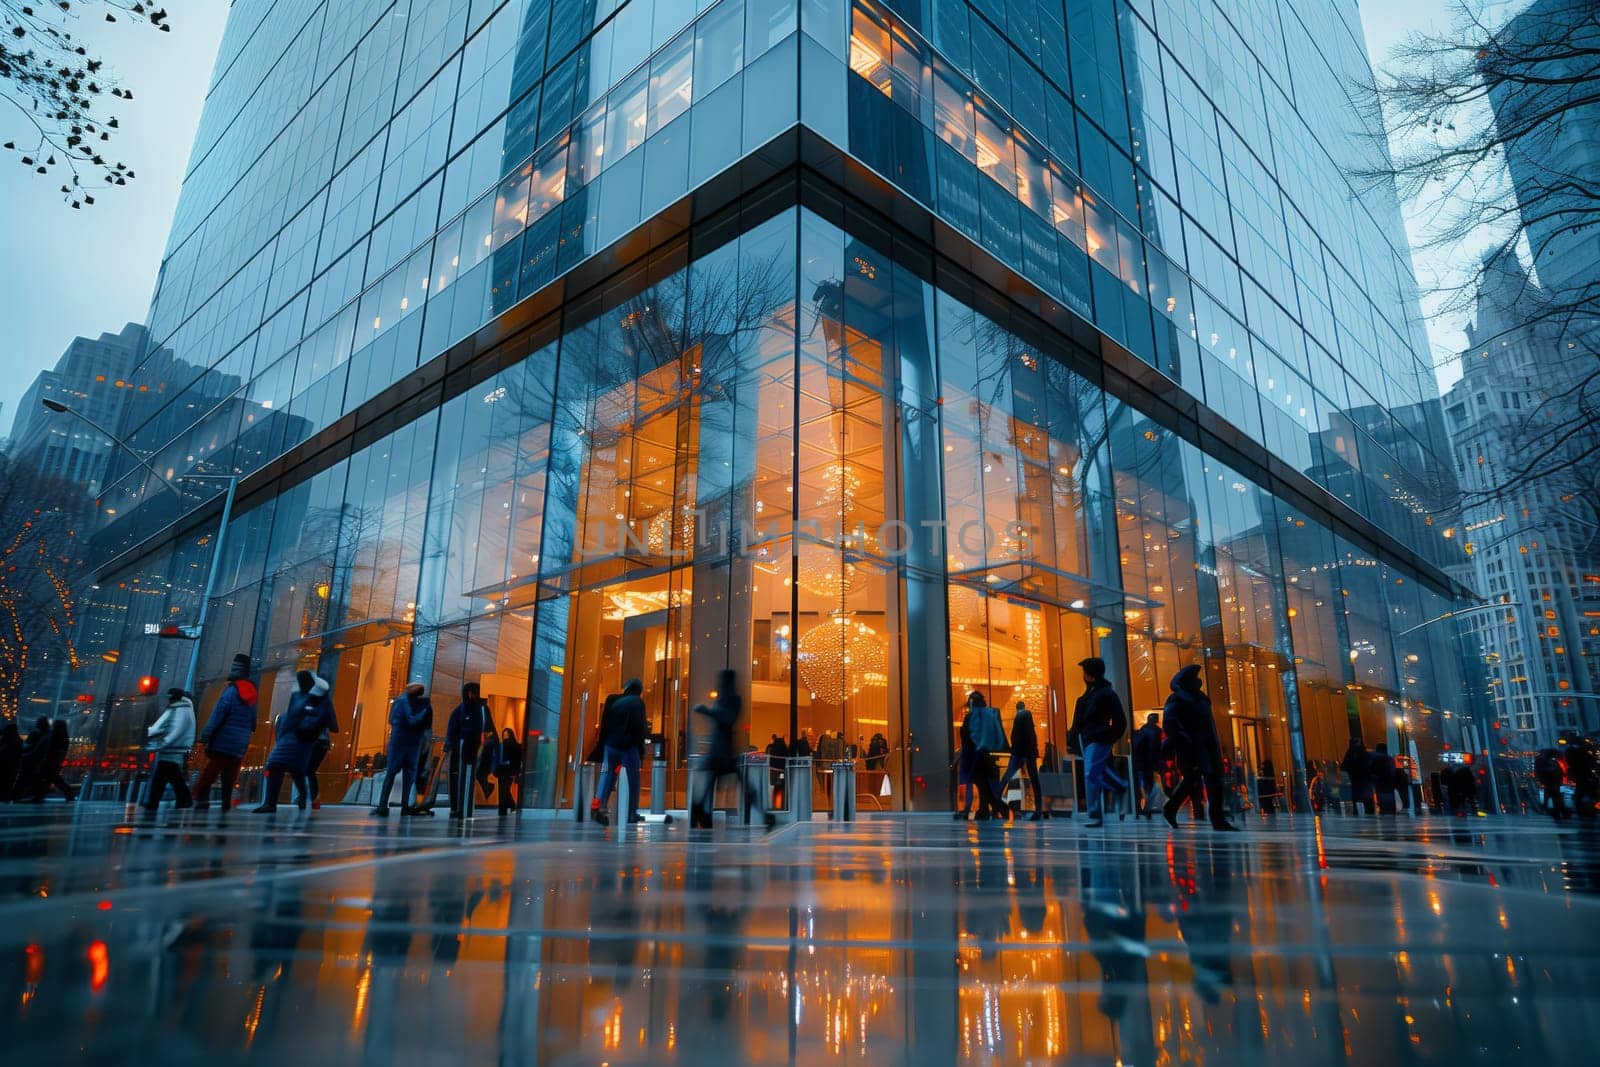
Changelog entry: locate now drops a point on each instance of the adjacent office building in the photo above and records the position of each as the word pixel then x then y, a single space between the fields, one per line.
pixel 879 351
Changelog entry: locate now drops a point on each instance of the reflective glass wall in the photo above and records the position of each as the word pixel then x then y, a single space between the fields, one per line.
pixel 804 450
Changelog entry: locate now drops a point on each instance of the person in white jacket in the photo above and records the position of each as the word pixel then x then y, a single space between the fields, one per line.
pixel 172 737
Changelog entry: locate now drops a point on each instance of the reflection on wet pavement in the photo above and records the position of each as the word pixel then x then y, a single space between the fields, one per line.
pixel 909 940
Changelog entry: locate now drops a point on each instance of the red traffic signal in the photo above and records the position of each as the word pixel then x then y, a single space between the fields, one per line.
pixel 148 684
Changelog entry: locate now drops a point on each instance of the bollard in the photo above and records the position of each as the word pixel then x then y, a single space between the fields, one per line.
pixel 797 788
pixel 752 780
pixel 583 786
pixel 658 786
pixel 844 791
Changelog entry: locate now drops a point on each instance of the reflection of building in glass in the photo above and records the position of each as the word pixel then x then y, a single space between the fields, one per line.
pixel 880 357
pixel 1532 543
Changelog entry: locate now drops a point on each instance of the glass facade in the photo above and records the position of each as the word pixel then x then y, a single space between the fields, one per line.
pixel 523 391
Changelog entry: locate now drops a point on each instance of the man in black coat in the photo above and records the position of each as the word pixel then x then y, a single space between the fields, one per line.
pixel 31 764
pixel 1357 767
pixel 1146 761
pixel 1196 746
pixel 623 729
pixel 469 724
pixel 1025 759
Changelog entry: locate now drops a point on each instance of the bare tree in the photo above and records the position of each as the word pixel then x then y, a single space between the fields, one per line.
pixel 59 90
pixel 1485 128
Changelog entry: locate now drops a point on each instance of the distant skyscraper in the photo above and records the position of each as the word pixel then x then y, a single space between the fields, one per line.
pixel 92 377
pixel 1532 544
pixel 1553 165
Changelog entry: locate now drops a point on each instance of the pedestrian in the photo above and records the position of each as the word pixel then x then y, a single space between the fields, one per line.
pixel 410 720
pixel 830 750
pixel 227 735
pixel 508 769
pixel 464 734
pixel 319 752
pixel 10 757
pixel 623 728
pixel 1357 767
pixel 1098 722
pixel 720 759
pixel 777 766
pixel 172 736
pixel 31 759
pixel 1583 767
pixel 1551 774
pixel 966 769
pixel 1025 759
pixel 1383 778
pixel 1319 793
pixel 310 712
pixel 1146 746
pixel 50 771
pixel 1192 730
pixel 982 722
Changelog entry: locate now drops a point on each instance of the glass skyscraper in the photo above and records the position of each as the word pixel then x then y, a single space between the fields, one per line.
pixel 879 351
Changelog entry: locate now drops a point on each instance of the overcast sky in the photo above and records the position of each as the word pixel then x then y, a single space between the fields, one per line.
pixel 65 273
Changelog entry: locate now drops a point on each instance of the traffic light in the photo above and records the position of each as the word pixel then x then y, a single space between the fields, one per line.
pixel 148 684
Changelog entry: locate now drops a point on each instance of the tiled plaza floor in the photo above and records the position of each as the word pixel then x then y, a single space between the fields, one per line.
pixel 335 938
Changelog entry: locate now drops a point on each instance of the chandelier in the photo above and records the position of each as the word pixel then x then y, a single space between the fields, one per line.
pixel 661 534
pixel 840 487
pixel 824 572
pixel 839 657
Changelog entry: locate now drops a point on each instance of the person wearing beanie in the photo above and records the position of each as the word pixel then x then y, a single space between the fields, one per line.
pixel 310 712
pixel 1098 722
pixel 469 724
pixel 227 735
pixel 172 737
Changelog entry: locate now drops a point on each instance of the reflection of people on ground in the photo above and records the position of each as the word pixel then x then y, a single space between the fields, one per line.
pixel 982 723
pixel 227 735
pixel 310 712
pixel 1146 745
pixel 1205 920
pixel 508 769
pixel 624 726
pixel 1192 731
pixel 1098 721
pixel 721 758
pixel 410 720
pixel 1025 759
pixel 1357 767
pixel 172 736
pixel 464 735
pixel 1114 920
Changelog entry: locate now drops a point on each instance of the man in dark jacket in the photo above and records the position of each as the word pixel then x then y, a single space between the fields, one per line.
pixel 1025 759
pixel 623 727
pixel 721 758
pixel 1146 761
pixel 31 763
pixel 1357 766
pixel 1383 778
pixel 508 769
pixel 1196 747
pixel 410 720
pixel 310 711
pixel 469 724
pixel 1098 722
pixel 227 735
pixel 981 725
pixel 50 774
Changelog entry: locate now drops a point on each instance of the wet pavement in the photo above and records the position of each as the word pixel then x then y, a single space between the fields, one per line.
pixel 334 938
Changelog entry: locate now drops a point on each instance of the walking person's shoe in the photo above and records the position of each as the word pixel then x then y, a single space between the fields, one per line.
pixel 1035 816
pixel 636 818
pixel 1169 812
pixel 1224 826
pixel 600 816
pixel 381 812
pixel 202 805
pixel 1095 820
pixel 265 809
pixel 963 816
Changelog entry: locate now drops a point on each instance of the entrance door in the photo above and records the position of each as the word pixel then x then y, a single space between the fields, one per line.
pixel 620 631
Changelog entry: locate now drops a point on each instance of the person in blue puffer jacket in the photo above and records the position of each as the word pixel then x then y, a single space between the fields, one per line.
pixel 310 712
pixel 227 735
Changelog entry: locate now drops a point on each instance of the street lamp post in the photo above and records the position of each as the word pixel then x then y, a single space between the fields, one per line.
pixel 222 530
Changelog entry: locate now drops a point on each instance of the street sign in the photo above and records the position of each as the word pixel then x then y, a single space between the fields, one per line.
pixel 174 631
